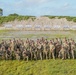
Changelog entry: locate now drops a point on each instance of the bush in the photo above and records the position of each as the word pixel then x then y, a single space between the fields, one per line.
pixel 74 20
pixel 13 17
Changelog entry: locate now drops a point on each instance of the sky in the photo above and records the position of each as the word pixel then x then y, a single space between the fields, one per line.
pixel 39 7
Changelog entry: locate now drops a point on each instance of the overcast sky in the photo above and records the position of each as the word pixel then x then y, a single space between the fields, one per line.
pixel 39 7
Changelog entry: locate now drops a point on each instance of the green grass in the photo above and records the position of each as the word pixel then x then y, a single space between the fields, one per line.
pixel 40 67
pixel 6 34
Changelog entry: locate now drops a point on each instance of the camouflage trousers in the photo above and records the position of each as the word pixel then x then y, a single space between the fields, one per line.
pixel 51 54
pixel 73 54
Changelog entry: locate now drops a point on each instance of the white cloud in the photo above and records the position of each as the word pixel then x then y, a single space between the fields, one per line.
pixel 66 5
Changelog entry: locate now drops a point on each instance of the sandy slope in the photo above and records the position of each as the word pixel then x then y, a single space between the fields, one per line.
pixel 44 22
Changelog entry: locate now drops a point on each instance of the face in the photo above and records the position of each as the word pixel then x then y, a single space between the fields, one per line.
pixel 8 48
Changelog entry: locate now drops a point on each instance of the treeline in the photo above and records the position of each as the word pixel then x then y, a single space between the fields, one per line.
pixel 69 18
pixel 12 17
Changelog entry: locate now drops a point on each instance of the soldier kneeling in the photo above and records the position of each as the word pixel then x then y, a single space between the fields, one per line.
pixel 17 54
pixel 25 55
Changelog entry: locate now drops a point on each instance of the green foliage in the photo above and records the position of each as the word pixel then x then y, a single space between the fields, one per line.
pixel 14 14
pixel 1 9
pixel 51 17
pixel 33 18
pixel 13 17
pixel 1 12
pixel 74 19
pixel 59 17
pixel 69 18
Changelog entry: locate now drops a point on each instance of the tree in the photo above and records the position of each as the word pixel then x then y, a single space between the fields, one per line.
pixel 14 14
pixel 1 12
pixel 74 19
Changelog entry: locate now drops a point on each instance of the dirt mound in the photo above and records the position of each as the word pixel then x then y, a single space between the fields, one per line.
pixel 43 23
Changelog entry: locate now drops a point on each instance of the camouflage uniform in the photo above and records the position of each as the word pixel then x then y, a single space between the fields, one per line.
pixel 17 54
pixel 73 48
pixel 39 51
pixel 52 51
pixel 25 55
pixel 62 53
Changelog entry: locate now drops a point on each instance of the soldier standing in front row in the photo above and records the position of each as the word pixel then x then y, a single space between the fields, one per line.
pixel 40 49
pixel 73 49
pixel 52 50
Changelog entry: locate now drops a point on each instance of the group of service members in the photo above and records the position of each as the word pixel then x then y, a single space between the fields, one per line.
pixel 39 49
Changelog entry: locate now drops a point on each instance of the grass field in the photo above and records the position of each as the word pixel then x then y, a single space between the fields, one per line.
pixel 7 34
pixel 40 67
pixel 44 67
